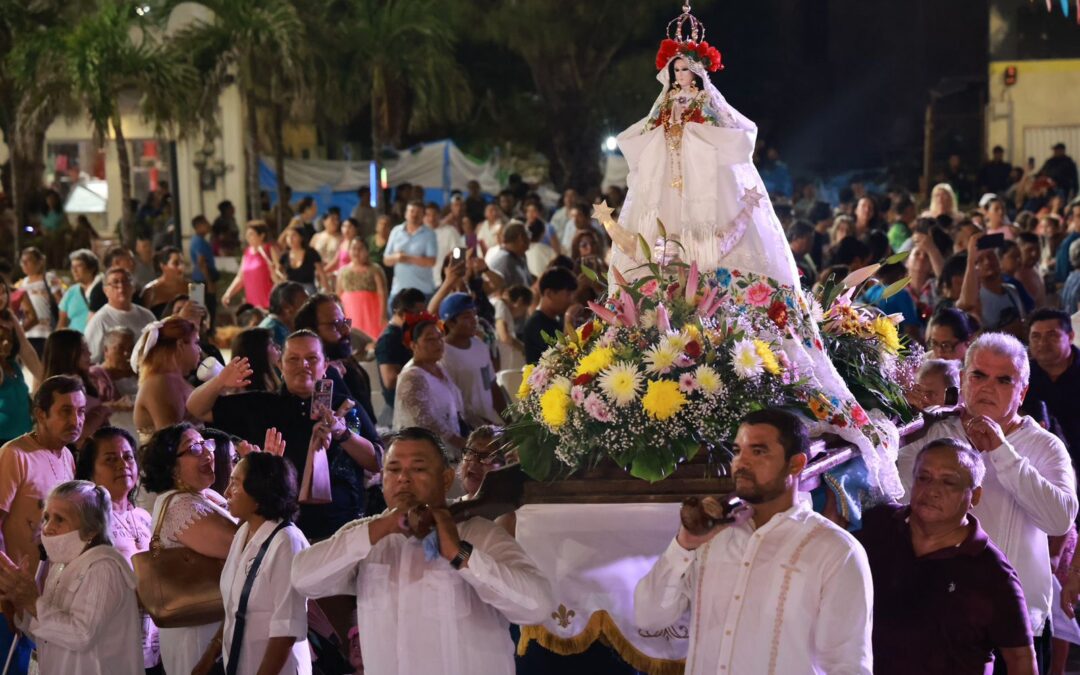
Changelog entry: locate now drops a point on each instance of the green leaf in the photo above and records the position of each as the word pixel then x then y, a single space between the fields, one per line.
pixel 645 248
pixel 652 465
pixel 895 287
pixel 897 257
pixel 590 274
pixel 661 228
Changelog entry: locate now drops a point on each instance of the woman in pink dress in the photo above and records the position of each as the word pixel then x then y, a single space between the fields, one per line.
pixel 362 289
pixel 257 270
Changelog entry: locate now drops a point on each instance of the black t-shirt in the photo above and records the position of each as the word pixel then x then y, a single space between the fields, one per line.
pixel 97 299
pixel 532 335
pixel 305 274
pixel 390 350
pixel 1060 397
pixel 249 414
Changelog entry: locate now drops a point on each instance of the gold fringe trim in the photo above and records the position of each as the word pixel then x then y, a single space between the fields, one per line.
pixel 600 627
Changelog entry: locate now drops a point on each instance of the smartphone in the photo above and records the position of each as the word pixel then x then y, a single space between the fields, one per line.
pixel 197 292
pixel 458 253
pixel 323 397
pixel 991 241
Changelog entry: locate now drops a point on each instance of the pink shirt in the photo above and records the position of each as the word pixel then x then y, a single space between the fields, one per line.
pixel 257 278
pixel 28 473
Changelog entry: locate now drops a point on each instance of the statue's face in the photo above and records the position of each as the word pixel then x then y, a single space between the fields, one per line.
pixel 683 77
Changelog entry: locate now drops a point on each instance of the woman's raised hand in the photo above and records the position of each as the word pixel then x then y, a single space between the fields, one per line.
pixel 274 444
pixel 235 375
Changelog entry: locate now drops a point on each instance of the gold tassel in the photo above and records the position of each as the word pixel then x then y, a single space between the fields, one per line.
pixel 600 627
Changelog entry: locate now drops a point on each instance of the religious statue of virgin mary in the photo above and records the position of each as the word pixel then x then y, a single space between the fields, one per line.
pixel 691 169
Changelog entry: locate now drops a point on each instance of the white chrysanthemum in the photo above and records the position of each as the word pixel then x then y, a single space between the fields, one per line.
pixel 675 341
pixel 647 319
pixel 745 359
pixel 708 380
pixel 621 383
pixel 660 359
pixel 816 311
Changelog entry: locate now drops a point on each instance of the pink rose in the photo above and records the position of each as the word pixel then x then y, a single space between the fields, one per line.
pixel 759 294
pixel 649 288
pixel 859 416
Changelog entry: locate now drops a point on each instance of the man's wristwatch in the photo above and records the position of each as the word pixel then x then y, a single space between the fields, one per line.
pixel 465 550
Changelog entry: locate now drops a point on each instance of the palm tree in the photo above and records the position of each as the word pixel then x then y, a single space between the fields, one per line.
pixel 569 47
pixel 262 44
pixel 395 56
pixel 32 92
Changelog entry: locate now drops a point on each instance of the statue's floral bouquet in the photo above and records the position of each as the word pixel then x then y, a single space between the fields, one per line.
pixel 668 364
pixel 864 343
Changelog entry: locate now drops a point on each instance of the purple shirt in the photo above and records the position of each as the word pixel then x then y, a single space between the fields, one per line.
pixel 944 612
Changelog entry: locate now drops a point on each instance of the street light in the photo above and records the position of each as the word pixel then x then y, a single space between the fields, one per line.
pixel 611 144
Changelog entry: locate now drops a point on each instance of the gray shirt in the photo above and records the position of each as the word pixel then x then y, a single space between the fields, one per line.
pixel 109 317
pixel 513 269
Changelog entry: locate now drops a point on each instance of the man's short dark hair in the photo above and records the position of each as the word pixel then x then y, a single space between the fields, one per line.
pixel 224 206
pixel 792 432
pixel 848 250
pixel 819 211
pixel 113 253
pixel 406 298
pixel 519 293
pixel 415 202
pixel 198 220
pixel 305 204
pixel 997 149
pixel 54 386
pixel 417 434
pixel 1050 314
pixel 967 456
pixel 1028 238
pixel 798 230
pixel 558 279
pixel 334 209
pixel 283 294
pixel 271 483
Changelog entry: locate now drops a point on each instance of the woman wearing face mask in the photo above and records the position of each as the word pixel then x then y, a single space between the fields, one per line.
pixel 85 619
pixel 108 460
pixel 179 465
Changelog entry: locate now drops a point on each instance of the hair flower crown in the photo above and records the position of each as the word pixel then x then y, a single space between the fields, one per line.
pixel 686 38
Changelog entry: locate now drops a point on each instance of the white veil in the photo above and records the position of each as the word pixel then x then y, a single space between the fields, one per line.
pixel 726 115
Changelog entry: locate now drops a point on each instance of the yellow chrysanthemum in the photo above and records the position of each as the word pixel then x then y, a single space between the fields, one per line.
pixel 595 361
pixel 554 406
pixel 523 389
pixel 621 383
pixel 768 359
pixel 693 332
pixel 708 380
pixel 663 399
pixel 676 342
pixel 886 330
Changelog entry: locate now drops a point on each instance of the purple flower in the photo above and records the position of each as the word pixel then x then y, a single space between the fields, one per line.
pixel 577 395
pixel 687 383
pixel 597 408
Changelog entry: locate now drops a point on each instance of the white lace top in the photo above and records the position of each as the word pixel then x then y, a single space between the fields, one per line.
pixel 424 400
pixel 185 509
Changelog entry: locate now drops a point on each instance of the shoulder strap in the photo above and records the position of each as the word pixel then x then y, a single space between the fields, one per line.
pixel 155 538
pixel 233 662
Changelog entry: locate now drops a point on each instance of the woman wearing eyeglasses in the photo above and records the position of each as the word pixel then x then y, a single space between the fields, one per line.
pixel 108 460
pixel 949 334
pixel 179 465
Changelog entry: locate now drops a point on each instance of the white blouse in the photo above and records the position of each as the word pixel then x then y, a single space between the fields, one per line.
pixel 424 400
pixel 275 608
pixel 88 617
pixel 181 648
pixel 130 533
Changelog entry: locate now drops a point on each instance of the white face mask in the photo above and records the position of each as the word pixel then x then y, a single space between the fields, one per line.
pixel 63 548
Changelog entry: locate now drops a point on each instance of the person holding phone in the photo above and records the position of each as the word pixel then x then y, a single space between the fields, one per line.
pixel 248 414
pixel 985 293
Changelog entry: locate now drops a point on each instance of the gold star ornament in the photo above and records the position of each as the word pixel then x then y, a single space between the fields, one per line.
pixel 602 213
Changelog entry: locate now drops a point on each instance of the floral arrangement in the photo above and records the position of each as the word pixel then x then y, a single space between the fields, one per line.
pixel 865 345
pixel 670 363
pixel 702 52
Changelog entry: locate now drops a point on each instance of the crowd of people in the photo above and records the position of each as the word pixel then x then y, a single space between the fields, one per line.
pixel 125 429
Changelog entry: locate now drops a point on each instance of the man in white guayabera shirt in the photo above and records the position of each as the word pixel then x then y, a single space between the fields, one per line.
pixel 427 607
pixel 772 587
pixel 1030 489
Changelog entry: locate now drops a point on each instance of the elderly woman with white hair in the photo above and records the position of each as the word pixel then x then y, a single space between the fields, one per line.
pixel 86 618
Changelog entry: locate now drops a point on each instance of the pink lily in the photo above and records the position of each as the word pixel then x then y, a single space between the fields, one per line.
pixel 605 314
pixel 706 311
pixel 692 283
pixel 663 320
pixel 629 309
pixel 707 299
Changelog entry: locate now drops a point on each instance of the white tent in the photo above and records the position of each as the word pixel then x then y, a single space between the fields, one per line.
pixel 439 166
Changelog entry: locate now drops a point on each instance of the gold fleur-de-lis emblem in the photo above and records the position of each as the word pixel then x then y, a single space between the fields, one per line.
pixel 563 616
